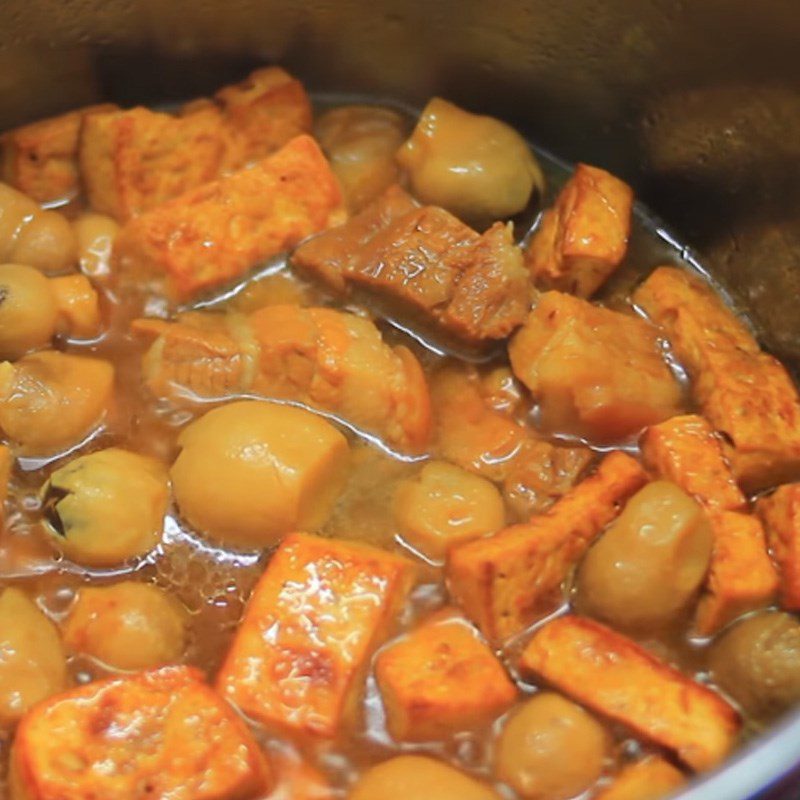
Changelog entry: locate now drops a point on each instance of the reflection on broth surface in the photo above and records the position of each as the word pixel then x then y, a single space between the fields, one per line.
pixel 487 456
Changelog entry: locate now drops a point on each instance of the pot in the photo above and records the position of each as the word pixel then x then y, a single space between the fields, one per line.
pixel 697 105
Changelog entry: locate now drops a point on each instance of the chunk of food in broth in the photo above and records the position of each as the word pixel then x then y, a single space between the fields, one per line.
pixel 426 266
pixel 127 626
pixel 217 232
pixel 439 680
pixel 744 393
pixel 299 659
pixel 780 515
pixel 51 401
pixel 651 778
pixel 106 507
pixel 583 239
pixel 33 664
pixel 595 372
pixel 360 142
pixel 477 167
pixel 328 360
pixel 250 472
pixel 163 733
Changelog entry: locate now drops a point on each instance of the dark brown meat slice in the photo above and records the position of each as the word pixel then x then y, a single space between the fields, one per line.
pixel 428 264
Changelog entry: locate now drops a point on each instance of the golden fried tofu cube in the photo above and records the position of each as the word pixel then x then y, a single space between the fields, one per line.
pixel 134 160
pixel 505 581
pixel 744 393
pixel 686 451
pixel 163 733
pixel 741 576
pixel 300 655
pixel 220 230
pixel 441 679
pixel 652 778
pixel 265 110
pixel 41 159
pixel 780 514
pixel 595 372
pixel 584 237
pixel 617 678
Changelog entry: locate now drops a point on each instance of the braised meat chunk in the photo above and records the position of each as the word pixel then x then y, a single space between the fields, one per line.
pixel 326 359
pixel 429 264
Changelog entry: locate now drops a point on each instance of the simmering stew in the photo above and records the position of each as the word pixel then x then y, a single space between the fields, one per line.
pixel 352 453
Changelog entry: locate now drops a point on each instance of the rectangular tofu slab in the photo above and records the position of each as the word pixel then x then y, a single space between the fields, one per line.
pixel 158 734
pixel 686 451
pixel 741 576
pixel 301 652
pixel 41 159
pixel 219 231
pixel 428 265
pixel 134 160
pixel 652 778
pixel 506 581
pixel 584 237
pixel 441 679
pixel 615 677
pixel 780 513
pixel 745 394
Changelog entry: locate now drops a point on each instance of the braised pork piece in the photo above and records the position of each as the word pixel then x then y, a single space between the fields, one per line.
pixel 326 477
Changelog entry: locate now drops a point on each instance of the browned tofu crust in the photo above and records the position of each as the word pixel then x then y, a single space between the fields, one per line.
pixel 584 237
pixel 741 576
pixel 428 264
pixel 506 581
pixel 687 451
pixel 134 160
pixel 219 231
pixel 158 734
pixel 780 513
pixel 41 159
pixel 652 778
pixel 614 676
pixel 441 679
pixel 744 393
pixel 300 654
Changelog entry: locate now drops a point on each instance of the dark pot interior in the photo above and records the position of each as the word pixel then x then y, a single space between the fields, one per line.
pixel 695 104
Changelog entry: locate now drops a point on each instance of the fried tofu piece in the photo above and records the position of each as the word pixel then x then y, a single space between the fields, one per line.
pixel 441 679
pixel 134 160
pixel 41 159
pixel 265 110
pixel 744 393
pixel 506 581
pixel 584 237
pixel 595 372
pixel 427 264
pixel 613 676
pixel 217 232
pixel 326 359
pixel 652 778
pixel 780 514
pixel 686 451
pixel 472 433
pixel 158 734
pixel 741 576
pixel 300 656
